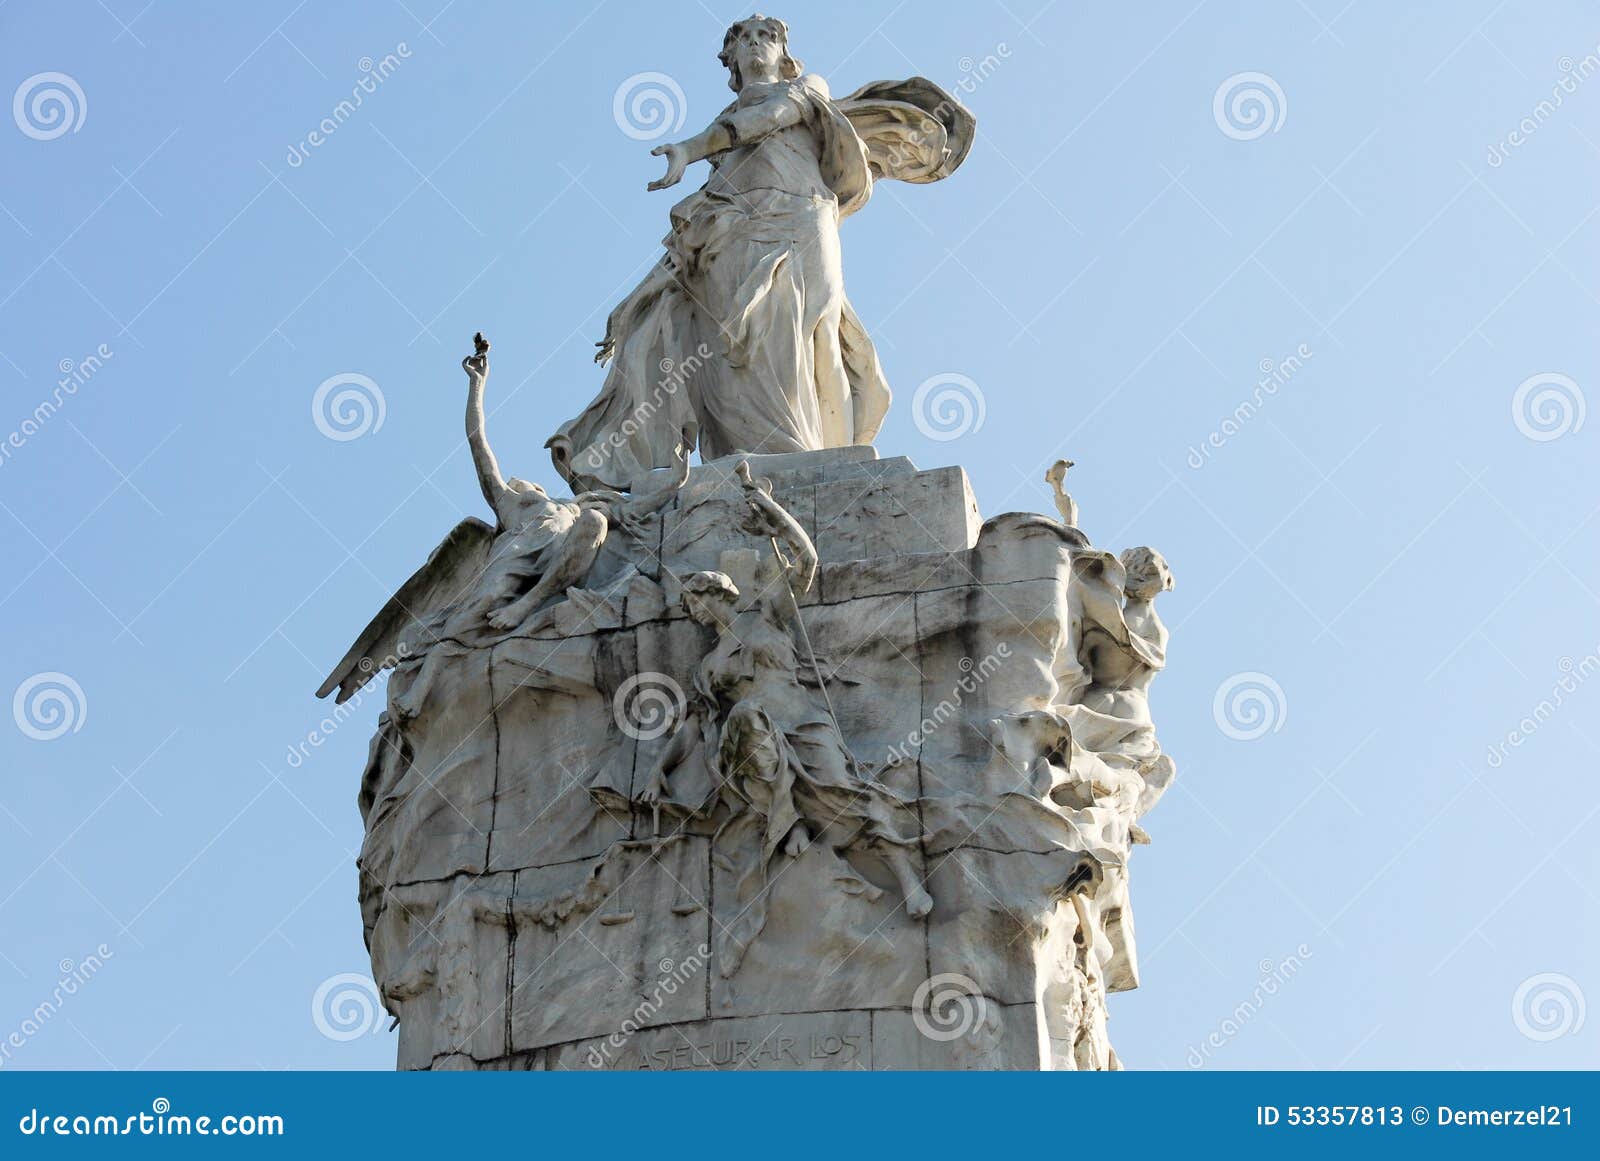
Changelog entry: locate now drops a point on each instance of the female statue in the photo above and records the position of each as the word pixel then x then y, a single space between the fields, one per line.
pixel 769 741
pixel 748 302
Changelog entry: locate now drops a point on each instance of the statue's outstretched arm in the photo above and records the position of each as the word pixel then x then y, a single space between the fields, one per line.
pixel 489 477
pixel 738 127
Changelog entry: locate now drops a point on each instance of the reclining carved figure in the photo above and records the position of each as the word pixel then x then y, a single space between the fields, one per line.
pixel 484 581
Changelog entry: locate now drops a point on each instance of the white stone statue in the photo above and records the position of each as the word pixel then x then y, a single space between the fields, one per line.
pixel 485 580
pixel 1065 504
pixel 1121 646
pixel 609 829
pixel 769 743
pixel 748 303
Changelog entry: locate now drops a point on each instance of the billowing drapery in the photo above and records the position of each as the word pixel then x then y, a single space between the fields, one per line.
pixel 741 337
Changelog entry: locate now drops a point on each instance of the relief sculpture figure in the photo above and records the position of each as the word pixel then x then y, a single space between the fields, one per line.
pixel 773 755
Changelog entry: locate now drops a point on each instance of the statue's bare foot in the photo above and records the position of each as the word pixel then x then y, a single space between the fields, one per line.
pixel 799 840
pixel 918 903
pixel 510 617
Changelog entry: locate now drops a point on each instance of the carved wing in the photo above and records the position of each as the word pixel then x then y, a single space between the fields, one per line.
pixel 913 130
pixel 400 629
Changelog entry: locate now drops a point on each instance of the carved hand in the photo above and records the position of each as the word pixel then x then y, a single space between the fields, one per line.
pixel 656 789
pixel 476 365
pixel 677 161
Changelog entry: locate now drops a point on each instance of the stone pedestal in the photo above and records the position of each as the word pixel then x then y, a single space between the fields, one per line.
pixel 526 909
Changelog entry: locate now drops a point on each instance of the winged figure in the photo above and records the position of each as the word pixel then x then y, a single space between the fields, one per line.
pixel 485 580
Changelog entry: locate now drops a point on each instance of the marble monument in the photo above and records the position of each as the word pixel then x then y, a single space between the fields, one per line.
pixel 785 759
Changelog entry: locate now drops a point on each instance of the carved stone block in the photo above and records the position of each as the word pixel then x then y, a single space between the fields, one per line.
pixel 665 825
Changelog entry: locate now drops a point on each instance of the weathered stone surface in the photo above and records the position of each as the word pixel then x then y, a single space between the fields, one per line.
pixel 446 947
pixel 788 760
pixel 792 1041
pixel 822 949
pixel 594 940
pixel 616 930
pixel 980 1034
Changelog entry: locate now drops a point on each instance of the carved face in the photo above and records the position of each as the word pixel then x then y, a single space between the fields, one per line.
pixel 758 52
pixel 1148 573
pixel 757 49
pixel 709 608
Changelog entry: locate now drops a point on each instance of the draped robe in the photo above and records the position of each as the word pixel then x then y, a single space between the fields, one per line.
pixel 741 339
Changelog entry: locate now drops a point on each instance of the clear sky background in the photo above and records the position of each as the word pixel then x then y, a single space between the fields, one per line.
pixel 1383 539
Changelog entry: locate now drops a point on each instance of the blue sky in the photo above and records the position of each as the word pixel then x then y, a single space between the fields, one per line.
pixel 1401 537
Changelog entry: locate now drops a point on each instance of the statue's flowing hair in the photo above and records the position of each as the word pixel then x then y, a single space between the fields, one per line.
pixel 788 68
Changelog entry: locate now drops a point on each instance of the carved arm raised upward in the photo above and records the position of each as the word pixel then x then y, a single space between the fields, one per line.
pixel 489 478
pixel 769 518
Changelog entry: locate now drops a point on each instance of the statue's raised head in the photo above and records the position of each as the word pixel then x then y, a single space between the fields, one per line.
pixel 757 48
pixel 1148 573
